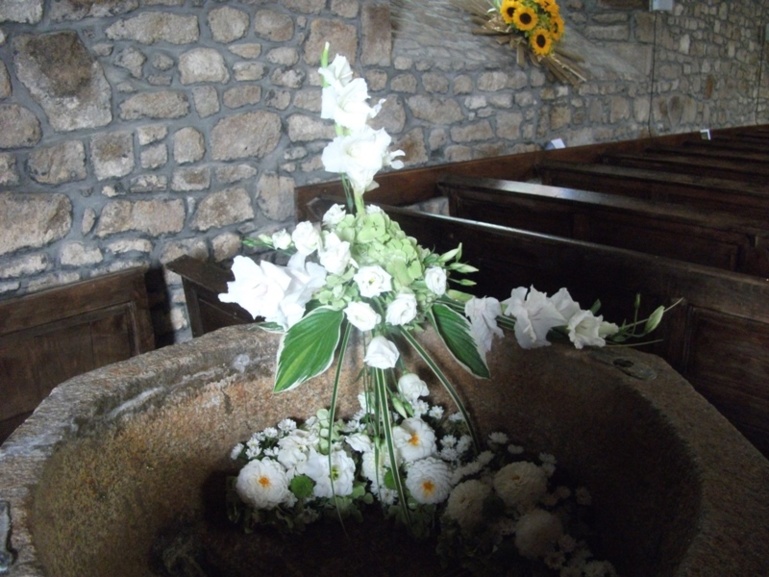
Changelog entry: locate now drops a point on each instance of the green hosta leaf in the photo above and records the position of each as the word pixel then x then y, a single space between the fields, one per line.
pixel 307 348
pixel 454 329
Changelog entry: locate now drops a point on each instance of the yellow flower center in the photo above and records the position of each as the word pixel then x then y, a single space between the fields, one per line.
pixel 428 487
pixel 414 440
pixel 264 481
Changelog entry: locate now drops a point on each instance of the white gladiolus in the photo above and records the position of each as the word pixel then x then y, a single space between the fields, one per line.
pixel 258 288
pixel 281 240
pixel 263 484
pixel 402 310
pixel 362 316
pixel 586 329
pixel 534 316
pixel 381 353
pixel 483 313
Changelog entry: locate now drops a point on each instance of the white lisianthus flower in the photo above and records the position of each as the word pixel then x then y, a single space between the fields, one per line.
pixel 537 532
pixel 333 474
pixel 306 237
pixel 263 484
pixel 334 255
pixel 428 480
pixel 483 313
pixel 381 353
pixel 258 288
pixel 334 215
pixel 362 316
pixel 412 387
pixel 435 279
pixel 534 316
pixel 466 502
pixel 520 484
pixel 372 280
pixel 359 156
pixel 402 310
pixel 586 329
pixel 414 439
pixel 281 240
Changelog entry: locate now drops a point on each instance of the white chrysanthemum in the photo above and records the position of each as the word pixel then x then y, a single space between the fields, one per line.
pixel 596 568
pixel 436 412
pixel 414 439
pixel 498 438
pixel 537 532
pixel 428 480
pixel 412 387
pixel 362 316
pixel 263 484
pixel 520 484
pixel 333 475
pixel 465 504
pixel 420 407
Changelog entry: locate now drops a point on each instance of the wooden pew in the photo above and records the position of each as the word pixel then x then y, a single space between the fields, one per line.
pixel 711 149
pixel 52 335
pixel 741 198
pixel 711 238
pixel 682 162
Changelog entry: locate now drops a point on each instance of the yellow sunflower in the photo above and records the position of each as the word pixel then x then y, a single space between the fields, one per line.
pixel 507 10
pixel 556 27
pixel 525 18
pixel 541 42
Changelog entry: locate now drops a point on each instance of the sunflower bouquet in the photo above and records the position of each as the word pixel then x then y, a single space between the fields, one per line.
pixel 529 26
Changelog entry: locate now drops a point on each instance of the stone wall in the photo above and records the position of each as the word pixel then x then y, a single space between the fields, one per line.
pixel 135 131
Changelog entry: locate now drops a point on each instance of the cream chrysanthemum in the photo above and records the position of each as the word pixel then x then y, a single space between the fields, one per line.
pixel 428 480
pixel 520 485
pixel 466 502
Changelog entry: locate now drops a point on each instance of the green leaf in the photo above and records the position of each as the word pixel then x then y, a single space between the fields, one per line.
pixel 454 330
pixel 301 486
pixel 307 348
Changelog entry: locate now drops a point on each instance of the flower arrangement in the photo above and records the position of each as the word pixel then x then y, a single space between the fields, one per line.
pixel 528 26
pixel 358 271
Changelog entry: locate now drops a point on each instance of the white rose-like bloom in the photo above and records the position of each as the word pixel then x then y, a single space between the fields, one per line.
pixel 537 532
pixel 281 240
pixel 341 472
pixel 258 288
pixel 429 480
pixel 402 310
pixel 534 316
pixel 483 313
pixel 362 316
pixel 520 484
pixel 465 504
pixel 334 215
pixel 334 255
pixel 412 387
pixel 435 279
pixel 306 237
pixel 586 329
pixel 381 353
pixel 414 439
pixel 372 280
pixel 359 156
pixel 263 484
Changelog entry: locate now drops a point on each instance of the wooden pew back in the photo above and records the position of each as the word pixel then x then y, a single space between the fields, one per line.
pixel 711 238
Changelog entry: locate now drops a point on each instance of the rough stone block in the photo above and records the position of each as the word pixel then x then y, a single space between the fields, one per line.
pixel 57 164
pixel 152 27
pixel 229 206
pixel 227 24
pixel 274 25
pixel 33 221
pixel 153 217
pixel 164 104
pixel 21 128
pixel 23 11
pixel 202 65
pixel 112 154
pixel 253 134
pixel 376 37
